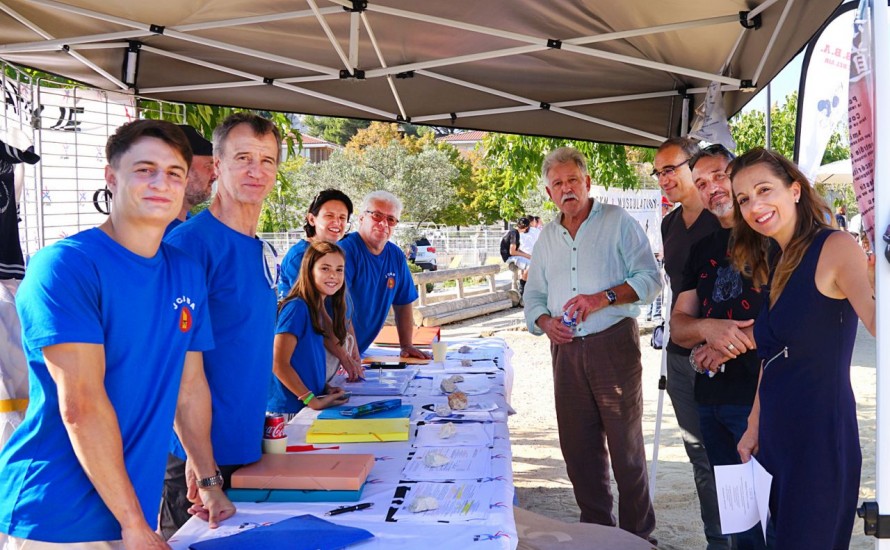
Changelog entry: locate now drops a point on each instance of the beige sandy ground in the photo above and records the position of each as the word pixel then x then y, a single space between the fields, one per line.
pixel 539 472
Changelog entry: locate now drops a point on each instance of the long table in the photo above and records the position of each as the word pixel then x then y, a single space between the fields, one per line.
pixel 386 487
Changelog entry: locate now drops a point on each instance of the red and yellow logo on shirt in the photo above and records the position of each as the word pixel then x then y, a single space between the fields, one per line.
pixel 390 282
pixel 185 319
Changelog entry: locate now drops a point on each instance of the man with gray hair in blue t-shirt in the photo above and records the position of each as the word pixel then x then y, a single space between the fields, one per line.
pixel 241 293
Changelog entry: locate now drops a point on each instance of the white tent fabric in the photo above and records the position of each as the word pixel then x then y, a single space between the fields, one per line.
pixel 839 171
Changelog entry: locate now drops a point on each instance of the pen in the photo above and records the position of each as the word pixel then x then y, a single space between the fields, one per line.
pixel 345 509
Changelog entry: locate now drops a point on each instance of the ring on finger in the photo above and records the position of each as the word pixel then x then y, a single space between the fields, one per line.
pixel 730 347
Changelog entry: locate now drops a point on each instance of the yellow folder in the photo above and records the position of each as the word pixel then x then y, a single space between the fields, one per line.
pixel 360 430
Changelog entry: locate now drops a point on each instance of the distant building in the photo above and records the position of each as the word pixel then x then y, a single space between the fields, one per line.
pixel 464 141
pixel 315 150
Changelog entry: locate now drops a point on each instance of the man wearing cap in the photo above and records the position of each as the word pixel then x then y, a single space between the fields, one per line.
pixel 680 229
pixel 518 256
pixel 201 175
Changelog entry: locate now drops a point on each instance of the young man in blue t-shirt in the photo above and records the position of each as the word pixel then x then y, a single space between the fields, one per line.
pixel 114 323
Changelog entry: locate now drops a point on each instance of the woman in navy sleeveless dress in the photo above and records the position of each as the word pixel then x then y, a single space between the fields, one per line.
pixel 803 429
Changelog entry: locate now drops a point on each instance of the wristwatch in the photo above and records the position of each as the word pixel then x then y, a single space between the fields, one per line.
pixel 212 481
pixel 611 296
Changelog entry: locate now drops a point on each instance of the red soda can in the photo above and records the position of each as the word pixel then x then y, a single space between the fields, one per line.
pixel 274 428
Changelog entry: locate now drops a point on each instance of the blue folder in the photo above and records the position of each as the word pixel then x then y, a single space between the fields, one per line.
pixel 305 532
pixel 334 413
pixel 292 495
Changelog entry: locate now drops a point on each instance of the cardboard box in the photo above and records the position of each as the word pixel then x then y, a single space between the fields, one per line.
pixel 327 472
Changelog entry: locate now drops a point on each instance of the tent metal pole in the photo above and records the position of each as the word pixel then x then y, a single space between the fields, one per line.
pixel 616 99
pixel 354 21
pixel 881 58
pixel 769 47
pixel 392 85
pixel 330 34
pixel 337 100
pixel 197 87
pixel 201 63
pixel 189 38
pixel 676 69
pixel 59 43
pixel 223 23
pixel 480 112
pixel 34 27
pixel 761 8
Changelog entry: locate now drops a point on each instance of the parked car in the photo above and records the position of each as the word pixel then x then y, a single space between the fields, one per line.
pixel 423 254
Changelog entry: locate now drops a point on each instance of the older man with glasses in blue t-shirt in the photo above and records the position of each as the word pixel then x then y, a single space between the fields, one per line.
pixel 377 274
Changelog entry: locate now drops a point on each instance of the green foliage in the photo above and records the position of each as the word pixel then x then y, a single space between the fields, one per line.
pixel 749 131
pixel 414 268
pixel 512 168
pixel 335 130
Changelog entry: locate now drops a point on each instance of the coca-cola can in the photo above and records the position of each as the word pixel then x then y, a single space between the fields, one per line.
pixel 274 428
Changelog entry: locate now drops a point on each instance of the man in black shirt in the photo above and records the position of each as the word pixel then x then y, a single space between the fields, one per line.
pixel 715 312
pixel 680 229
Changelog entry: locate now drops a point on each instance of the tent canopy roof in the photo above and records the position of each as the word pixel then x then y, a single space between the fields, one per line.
pixel 587 69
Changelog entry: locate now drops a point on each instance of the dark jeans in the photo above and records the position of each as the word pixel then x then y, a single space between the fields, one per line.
pixel 680 388
pixel 597 381
pixel 722 426
pixel 174 500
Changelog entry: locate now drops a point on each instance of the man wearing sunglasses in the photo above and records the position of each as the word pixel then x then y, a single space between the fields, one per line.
pixel 680 229
pixel 377 274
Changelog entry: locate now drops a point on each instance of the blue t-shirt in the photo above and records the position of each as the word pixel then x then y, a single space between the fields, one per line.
pixel 308 358
pixel 375 283
pixel 241 288
pixel 147 313
pixel 290 267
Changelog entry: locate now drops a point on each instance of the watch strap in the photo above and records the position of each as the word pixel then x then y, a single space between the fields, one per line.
pixel 212 481
pixel 611 296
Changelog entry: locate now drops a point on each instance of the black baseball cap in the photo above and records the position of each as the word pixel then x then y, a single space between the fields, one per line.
pixel 200 146
pixel 522 222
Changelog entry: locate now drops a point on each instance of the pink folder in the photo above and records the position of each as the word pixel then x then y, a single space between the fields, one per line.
pixel 329 472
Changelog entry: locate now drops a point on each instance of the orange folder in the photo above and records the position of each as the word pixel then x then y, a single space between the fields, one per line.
pixel 331 472
pixel 423 336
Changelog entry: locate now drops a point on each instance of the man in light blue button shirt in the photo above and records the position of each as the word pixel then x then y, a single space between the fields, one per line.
pixel 593 263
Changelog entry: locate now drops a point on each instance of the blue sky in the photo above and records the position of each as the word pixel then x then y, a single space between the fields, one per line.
pixel 785 82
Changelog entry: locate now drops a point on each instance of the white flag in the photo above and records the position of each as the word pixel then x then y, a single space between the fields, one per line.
pixel 710 119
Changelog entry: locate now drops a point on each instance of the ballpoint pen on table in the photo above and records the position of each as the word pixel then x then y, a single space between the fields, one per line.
pixel 345 509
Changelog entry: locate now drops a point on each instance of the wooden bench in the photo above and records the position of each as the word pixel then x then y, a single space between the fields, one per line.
pixel 463 306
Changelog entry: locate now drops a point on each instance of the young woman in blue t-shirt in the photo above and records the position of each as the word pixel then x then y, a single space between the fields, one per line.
pixel 298 355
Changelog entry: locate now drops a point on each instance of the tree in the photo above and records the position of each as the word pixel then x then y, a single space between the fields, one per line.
pixel 749 131
pixel 335 130
pixel 513 167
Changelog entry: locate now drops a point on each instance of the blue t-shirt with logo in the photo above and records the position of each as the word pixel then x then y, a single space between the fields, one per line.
pixel 147 313
pixel 290 267
pixel 375 283
pixel 308 358
pixel 241 289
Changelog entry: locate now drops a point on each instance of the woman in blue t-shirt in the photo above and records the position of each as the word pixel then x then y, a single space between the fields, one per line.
pixel 298 355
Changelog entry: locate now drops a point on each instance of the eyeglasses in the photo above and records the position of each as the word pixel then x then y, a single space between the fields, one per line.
pixel 380 216
pixel 667 171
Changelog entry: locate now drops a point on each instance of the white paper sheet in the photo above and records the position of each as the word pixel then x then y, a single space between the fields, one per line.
pixel 473 384
pixel 459 501
pixel 468 435
pixel 464 463
pixel 743 496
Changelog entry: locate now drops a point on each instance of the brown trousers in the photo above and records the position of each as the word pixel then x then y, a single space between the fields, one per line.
pixel 599 398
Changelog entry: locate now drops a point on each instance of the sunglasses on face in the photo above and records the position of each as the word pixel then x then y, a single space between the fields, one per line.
pixel 380 216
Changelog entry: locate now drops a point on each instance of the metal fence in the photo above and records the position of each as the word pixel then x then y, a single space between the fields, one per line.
pixel 455 246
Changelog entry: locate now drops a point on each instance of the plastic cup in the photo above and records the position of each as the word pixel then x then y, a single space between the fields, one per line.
pixel 440 349
pixel 275 446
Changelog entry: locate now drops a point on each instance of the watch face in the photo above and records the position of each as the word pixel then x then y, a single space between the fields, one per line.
pixel 610 295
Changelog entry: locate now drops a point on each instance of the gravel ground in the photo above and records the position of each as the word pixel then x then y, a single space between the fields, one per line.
pixel 542 485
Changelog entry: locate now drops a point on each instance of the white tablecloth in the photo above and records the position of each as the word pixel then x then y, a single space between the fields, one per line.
pixel 385 487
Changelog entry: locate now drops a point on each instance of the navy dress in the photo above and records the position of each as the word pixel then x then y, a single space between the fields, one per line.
pixel 809 437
